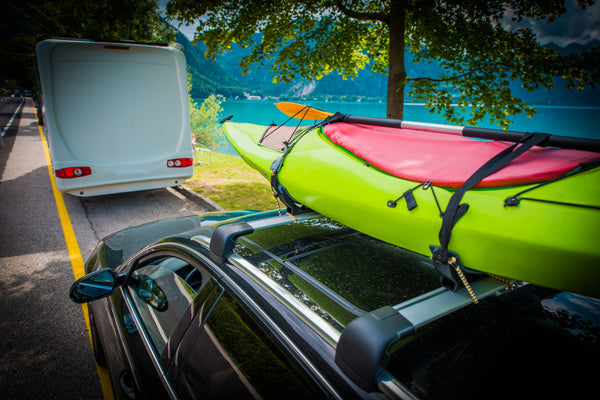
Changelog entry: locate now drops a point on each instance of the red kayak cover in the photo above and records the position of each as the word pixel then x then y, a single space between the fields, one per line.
pixel 448 160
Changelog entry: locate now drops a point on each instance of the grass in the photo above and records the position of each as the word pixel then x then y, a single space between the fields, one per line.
pixel 231 183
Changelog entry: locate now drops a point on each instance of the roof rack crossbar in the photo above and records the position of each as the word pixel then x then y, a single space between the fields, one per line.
pixel 362 351
pixel 440 302
pixel 332 295
pixel 223 239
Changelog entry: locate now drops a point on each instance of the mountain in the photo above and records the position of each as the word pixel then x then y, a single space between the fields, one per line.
pixel 561 95
pixel 224 76
pixel 207 76
pixel 574 47
pixel 259 81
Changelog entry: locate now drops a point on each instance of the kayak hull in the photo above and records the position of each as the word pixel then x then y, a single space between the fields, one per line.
pixel 551 245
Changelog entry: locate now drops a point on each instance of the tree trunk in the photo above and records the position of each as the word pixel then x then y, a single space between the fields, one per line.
pixel 396 70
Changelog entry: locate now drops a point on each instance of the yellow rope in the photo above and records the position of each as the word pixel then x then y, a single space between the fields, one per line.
pixel 511 284
pixel 276 196
pixel 463 278
pixel 292 216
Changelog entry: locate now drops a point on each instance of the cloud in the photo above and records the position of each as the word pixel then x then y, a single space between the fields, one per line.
pixel 575 26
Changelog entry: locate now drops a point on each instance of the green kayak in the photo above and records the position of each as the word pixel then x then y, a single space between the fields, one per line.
pixel 534 220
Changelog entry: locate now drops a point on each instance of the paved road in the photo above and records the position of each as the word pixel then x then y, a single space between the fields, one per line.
pixel 44 346
pixel 8 106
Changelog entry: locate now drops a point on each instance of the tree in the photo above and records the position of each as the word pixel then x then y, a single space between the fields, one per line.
pixel 205 121
pixel 99 20
pixel 479 57
pixel 109 20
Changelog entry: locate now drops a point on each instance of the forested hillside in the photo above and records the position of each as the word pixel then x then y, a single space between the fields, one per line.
pixel 224 76
pixel 259 81
pixel 207 76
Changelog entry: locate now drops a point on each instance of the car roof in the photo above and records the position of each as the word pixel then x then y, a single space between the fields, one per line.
pixel 335 277
pixel 347 265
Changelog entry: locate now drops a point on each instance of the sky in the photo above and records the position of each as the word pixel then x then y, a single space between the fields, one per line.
pixel 575 26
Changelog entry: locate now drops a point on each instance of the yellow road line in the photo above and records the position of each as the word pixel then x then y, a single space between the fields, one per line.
pixel 76 259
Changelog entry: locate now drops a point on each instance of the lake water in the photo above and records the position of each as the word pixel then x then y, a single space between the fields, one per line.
pixel 565 121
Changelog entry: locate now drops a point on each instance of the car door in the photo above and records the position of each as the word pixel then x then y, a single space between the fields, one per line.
pixel 228 353
pixel 152 310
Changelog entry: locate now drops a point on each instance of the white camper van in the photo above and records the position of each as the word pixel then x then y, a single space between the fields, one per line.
pixel 116 115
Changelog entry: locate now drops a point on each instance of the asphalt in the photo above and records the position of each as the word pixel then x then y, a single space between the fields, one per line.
pixel 44 348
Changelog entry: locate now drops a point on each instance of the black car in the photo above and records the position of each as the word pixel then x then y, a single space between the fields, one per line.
pixel 262 305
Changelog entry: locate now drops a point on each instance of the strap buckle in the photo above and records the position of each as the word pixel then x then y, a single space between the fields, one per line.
pixel 452 272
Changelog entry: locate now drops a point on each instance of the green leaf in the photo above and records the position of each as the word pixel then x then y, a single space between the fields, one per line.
pixel 478 55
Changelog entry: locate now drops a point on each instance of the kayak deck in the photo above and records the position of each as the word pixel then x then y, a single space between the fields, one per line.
pixel 449 160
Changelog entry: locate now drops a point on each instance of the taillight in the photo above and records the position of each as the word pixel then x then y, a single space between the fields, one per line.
pixel 72 172
pixel 180 162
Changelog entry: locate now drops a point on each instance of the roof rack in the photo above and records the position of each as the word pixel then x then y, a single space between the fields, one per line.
pixel 223 239
pixel 362 352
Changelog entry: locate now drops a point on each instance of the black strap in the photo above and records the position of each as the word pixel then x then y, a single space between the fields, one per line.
pixel 279 190
pixel 585 166
pixel 411 202
pixel 281 193
pixel 455 210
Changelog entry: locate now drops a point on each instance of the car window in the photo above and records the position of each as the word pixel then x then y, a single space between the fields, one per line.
pixel 235 356
pixel 162 290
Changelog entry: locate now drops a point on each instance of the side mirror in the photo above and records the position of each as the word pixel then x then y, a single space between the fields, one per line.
pixel 94 286
pixel 149 291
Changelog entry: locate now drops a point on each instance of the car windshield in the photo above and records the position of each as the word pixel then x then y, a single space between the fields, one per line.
pixel 338 272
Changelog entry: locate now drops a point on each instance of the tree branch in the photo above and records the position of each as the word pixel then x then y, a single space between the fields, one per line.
pixel 362 16
pixel 426 78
